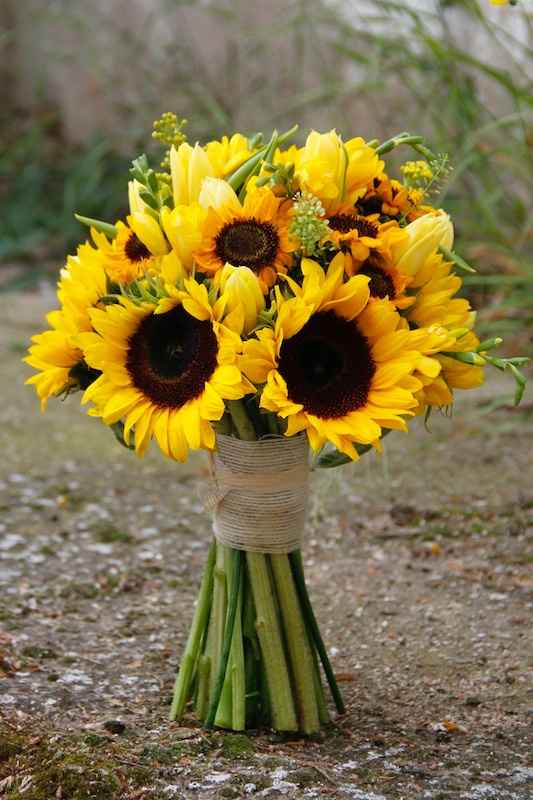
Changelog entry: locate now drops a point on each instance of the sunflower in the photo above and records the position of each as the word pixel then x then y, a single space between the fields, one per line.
pixel 166 375
pixel 253 234
pixel 350 231
pixel 56 352
pixel 386 281
pixel 335 365
pixel 440 373
pixel 435 286
pixel 366 246
pixel 436 309
pixel 134 249
pixel 390 198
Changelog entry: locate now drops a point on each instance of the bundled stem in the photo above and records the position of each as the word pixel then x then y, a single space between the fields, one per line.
pixel 254 651
pixel 255 648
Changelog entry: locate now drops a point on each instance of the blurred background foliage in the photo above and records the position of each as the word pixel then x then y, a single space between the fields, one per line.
pixel 84 82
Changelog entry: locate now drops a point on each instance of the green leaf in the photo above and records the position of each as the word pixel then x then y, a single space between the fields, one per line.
pixel 149 199
pixel 152 181
pixel 102 227
pixel 331 457
pixel 451 255
pixel 118 430
pixel 489 344
pixel 521 381
pixel 468 358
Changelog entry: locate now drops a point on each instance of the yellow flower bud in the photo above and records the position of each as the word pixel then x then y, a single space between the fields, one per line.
pixel 137 204
pixel 322 165
pixel 244 298
pixel 333 170
pixel 183 227
pixel 424 236
pixel 217 193
pixel 188 168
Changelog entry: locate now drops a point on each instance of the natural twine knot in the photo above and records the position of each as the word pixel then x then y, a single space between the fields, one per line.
pixel 259 493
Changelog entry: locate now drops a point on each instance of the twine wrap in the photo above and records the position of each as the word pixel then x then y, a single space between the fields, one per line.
pixel 259 493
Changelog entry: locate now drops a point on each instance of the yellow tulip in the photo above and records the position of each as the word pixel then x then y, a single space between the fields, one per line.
pixel 333 170
pixel 322 165
pixel 226 154
pixel 217 193
pixel 134 197
pixel 183 227
pixel 188 168
pixel 244 298
pixel 424 236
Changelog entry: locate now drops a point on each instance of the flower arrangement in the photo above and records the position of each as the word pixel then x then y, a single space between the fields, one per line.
pixel 258 299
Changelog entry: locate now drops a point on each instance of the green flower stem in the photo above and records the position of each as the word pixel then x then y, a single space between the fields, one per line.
pixel 185 675
pixel 241 420
pixel 323 713
pixel 237 178
pixel 300 653
pixel 217 620
pixel 223 425
pixel 202 699
pixel 270 639
pixel 238 672
pixel 234 591
pixel 272 422
pixel 231 712
pixel 224 717
pixel 312 626
pixel 417 142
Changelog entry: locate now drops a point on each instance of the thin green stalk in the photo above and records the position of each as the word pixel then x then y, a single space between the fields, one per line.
pixel 224 711
pixel 241 420
pixel 217 621
pixel 312 626
pixel 223 425
pixel 272 422
pixel 238 672
pixel 185 675
pixel 235 586
pixel 270 639
pixel 231 711
pixel 300 653
pixel 323 713
pixel 202 699
pixel 224 717
pixel 252 655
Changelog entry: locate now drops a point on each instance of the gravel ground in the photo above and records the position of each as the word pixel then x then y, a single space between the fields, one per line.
pixel 419 564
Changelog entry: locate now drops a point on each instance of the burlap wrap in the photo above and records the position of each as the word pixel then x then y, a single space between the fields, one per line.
pixel 259 493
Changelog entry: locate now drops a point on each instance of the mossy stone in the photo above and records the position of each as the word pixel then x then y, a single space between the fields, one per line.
pixel 236 746
pixel 10 746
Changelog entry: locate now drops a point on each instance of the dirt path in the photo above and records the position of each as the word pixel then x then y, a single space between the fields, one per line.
pixel 419 564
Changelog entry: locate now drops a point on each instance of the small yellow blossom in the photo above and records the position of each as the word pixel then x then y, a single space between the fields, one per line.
pixel 417 171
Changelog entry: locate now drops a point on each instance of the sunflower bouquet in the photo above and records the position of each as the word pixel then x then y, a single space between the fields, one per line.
pixel 259 300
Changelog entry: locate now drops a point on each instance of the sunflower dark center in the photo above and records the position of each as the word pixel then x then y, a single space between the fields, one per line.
pixel 135 249
pixel 328 366
pixel 247 243
pixel 370 205
pixel 381 284
pixel 344 223
pixel 171 356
